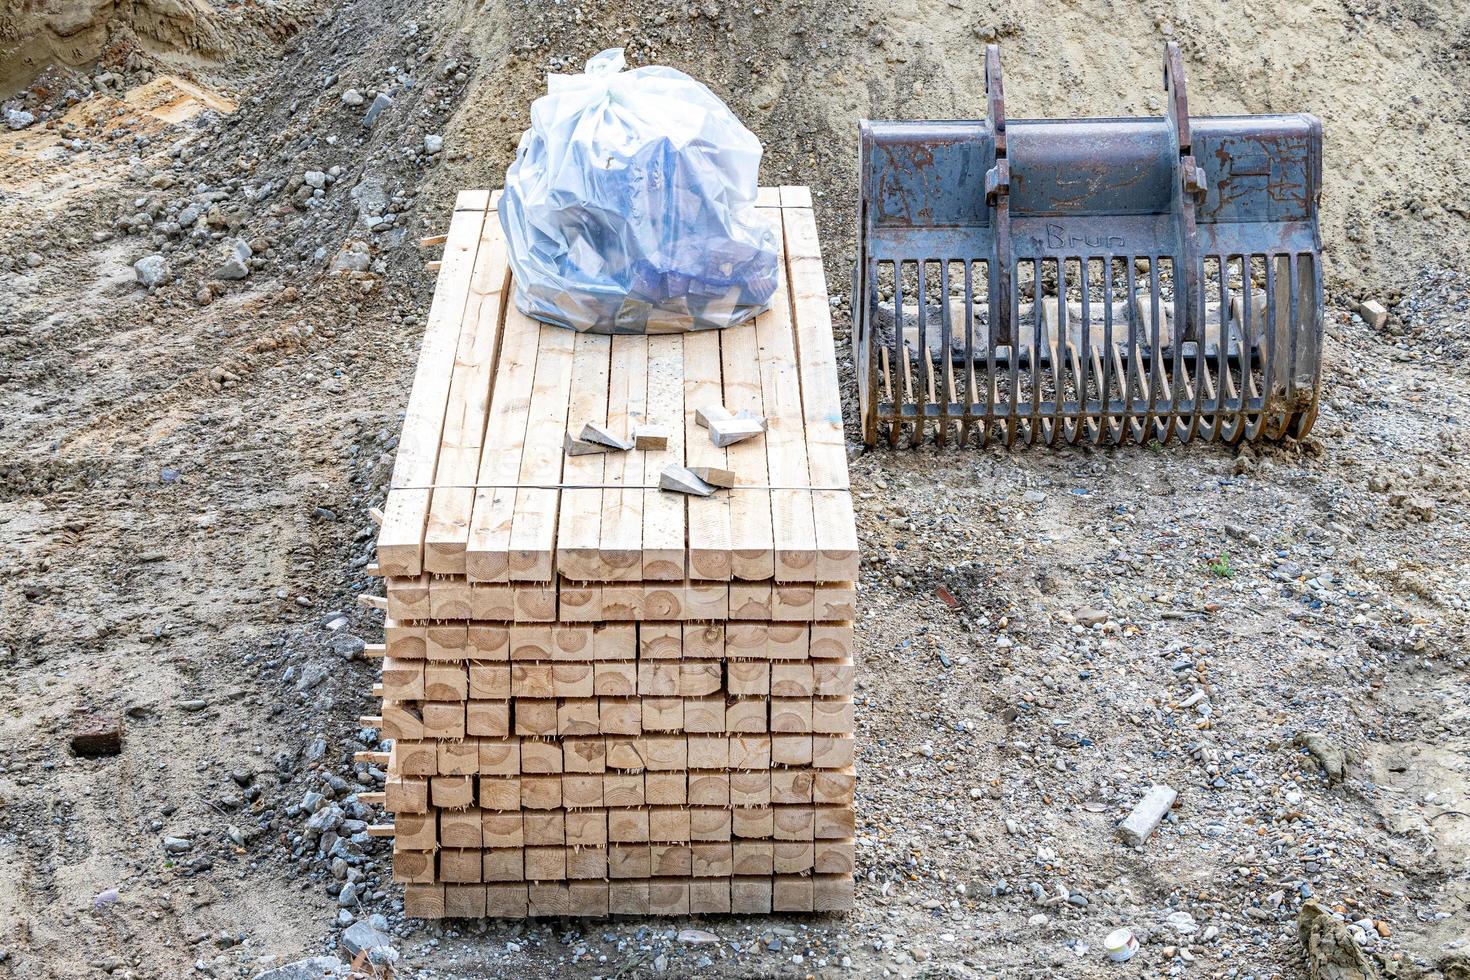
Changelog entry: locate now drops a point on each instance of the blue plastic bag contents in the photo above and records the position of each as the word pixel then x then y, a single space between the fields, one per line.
pixel 630 207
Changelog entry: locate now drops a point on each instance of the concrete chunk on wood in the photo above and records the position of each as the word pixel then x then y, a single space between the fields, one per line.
pixel 580 447
pixel 592 432
pixel 710 413
pixel 727 432
pixel 1147 815
pixel 650 437
pixel 680 480
pixel 714 475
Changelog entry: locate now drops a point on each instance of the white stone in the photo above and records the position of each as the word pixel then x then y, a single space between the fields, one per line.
pixel 152 270
pixel 1148 814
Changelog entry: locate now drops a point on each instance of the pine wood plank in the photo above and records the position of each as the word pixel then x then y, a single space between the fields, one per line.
pixel 620 548
pixel 400 539
pixel 836 526
pixel 487 553
pixel 533 530
pixel 752 549
pixel 579 523
pixel 470 385
pixel 708 518
pixel 794 531
pixel 664 547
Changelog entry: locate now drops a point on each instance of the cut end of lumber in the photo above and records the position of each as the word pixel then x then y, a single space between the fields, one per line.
pixel 714 475
pixel 647 437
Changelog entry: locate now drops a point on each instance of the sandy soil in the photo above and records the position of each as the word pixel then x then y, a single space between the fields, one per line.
pixel 183 506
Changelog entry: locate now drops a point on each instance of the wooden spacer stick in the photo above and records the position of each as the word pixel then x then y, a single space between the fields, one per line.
pixel 376 513
pixel 370 756
pixel 375 650
pixel 429 241
pixel 372 601
pixel 373 799
pixel 379 829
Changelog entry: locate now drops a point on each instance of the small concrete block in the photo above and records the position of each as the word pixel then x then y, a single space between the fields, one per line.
pixel 1147 815
pixel 592 432
pixel 727 432
pixel 704 416
pixel 650 437
pixel 1374 313
pixel 714 476
pixel 579 447
pixel 680 480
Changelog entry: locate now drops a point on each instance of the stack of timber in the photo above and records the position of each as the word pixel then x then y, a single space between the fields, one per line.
pixel 604 697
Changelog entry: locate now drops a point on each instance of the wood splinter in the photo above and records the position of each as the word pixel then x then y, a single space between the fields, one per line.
pixel 727 432
pixel 680 480
pixel 711 413
pixel 592 432
pixel 580 447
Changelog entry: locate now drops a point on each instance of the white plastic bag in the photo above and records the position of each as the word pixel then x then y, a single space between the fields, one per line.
pixel 630 207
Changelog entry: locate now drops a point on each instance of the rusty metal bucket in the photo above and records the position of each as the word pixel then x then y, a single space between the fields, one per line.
pixel 1097 280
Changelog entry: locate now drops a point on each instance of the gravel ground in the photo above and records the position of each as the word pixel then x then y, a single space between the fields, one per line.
pixel 1276 633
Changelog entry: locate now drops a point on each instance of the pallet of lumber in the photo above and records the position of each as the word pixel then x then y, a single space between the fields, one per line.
pixel 604 697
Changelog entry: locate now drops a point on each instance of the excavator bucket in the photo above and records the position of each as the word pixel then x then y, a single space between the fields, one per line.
pixel 1089 280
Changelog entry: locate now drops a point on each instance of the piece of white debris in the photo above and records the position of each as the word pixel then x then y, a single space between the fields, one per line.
pixel 1148 814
